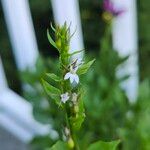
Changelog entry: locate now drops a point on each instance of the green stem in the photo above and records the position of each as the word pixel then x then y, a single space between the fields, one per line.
pixel 72 132
pixel 75 141
pixel 106 41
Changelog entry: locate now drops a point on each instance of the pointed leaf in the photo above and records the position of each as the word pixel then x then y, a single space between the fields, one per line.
pixel 85 67
pixel 54 77
pixel 51 40
pixel 53 27
pixel 59 146
pixel 76 52
pixel 52 91
pixel 100 145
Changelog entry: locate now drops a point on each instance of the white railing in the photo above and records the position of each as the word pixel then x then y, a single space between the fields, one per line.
pixel 21 32
pixel 125 42
pixel 16 116
pixel 15 112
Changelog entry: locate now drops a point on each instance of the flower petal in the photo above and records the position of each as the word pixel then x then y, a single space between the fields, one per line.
pixel 76 78
pixel 65 97
pixel 67 76
pixel 71 78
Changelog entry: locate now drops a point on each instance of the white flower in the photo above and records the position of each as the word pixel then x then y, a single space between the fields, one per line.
pixel 73 77
pixel 64 97
pixel 73 69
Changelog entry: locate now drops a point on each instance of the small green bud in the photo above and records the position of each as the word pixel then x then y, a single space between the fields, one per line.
pixel 58 43
pixel 107 16
pixel 70 143
pixel 76 109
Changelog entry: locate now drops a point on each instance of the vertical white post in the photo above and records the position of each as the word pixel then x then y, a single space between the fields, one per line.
pixel 20 27
pixel 68 10
pixel 125 42
pixel 3 82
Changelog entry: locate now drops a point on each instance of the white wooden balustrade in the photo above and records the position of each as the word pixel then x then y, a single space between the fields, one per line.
pixel 16 113
pixel 16 116
pixel 125 42
pixel 21 32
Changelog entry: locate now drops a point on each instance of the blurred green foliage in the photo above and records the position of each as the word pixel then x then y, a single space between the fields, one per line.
pixel 104 93
pixel 136 133
pixel 144 38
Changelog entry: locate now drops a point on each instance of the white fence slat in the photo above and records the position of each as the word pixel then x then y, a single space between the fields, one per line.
pixel 68 10
pixel 10 125
pixel 15 109
pixel 3 82
pixel 125 42
pixel 20 27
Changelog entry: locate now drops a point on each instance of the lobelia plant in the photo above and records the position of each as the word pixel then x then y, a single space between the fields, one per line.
pixel 68 93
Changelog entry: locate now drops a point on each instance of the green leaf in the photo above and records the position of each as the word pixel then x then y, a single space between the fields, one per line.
pixel 51 40
pixel 52 91
pixel 85 67
pixel 59 146
pixel 76 52
pixel 41 142
pixel 77 121
pixel 53 27
pixel 54 77
pixel 100 145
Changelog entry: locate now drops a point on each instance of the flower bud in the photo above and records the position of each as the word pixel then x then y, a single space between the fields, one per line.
pixel 107 16
pixel 70 143
pixel 76 109
pixel 58 43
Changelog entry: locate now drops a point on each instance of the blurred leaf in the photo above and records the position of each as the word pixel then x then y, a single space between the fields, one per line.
pixel 52 91
pixel 100 145
pixel 84 68
pixel 125 77
pixel 59 146
pixel 42 115
pixel 54 77
pixel 41 143
pixel 76 52
pixel 51 40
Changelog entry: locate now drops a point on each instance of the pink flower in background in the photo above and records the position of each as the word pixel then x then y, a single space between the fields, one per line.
pixel 109 7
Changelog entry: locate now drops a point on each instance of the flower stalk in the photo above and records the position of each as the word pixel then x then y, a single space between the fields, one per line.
pixel 68 91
